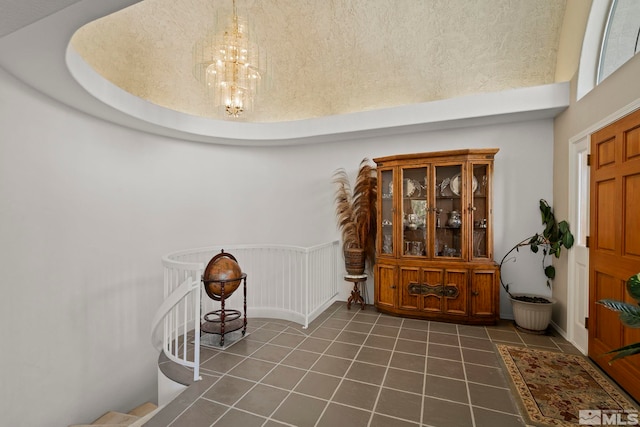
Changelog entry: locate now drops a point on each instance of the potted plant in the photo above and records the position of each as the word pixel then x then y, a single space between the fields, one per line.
pixel 629 315
pixel 532 313
pixel 356 215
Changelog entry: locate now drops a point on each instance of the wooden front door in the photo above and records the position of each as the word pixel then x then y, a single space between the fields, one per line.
pixel 614 247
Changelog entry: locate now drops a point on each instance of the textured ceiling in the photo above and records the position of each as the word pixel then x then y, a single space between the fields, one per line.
pixel 334 57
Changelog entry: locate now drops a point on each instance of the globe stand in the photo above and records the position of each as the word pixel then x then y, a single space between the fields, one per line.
pixel 223 321
pixel 221 278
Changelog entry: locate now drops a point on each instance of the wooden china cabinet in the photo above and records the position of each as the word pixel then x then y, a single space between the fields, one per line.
pixel 435 237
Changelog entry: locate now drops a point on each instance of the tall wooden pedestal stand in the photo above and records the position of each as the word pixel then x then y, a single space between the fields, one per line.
pixel 355 297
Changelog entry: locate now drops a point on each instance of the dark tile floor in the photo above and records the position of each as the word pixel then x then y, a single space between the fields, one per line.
pixel 355 368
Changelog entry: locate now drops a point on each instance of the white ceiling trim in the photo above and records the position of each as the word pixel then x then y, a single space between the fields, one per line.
pixel 536 102
pixel 43 45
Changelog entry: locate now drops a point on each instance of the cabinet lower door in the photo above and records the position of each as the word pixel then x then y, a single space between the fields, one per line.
pixel 385 291
pixel 410 288
pixel 454 292
pixel 432 290
pixel 483 292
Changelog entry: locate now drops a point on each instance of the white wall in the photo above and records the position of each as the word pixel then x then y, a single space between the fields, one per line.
pixel 88 208
pixel 599 107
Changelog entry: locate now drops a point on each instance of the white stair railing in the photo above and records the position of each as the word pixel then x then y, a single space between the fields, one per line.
pixel 284 282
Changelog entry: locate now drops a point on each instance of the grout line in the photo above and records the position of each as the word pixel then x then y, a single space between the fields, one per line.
pixel 355 319
pixel 384 377
pixel 424 376
pixel 466 383
pixel 345 372
pixel 290 392
pixel 246 357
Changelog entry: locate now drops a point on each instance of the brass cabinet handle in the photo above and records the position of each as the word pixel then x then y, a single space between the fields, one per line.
pixel 475 293
pixel 393 286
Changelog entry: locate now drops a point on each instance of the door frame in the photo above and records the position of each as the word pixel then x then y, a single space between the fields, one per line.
pixel 575 336
pixel 573 208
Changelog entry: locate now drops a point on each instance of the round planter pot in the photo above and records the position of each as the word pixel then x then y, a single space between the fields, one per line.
pixel 354 261
pixel 531 316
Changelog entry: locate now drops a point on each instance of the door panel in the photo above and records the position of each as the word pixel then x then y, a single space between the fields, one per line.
pixel 480 212
pixel 409 288
pixel 482 292
pixel 606 153
pixel 605 215
pixel 607 329
pixel 454 292
pixel 385 285
pixel 448 231
pixel 432 278
pixel 386 245
pixel 632 144
pixel 632 215
pixel 615 253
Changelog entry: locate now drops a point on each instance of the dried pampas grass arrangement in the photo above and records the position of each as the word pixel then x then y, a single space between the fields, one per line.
pixel 356 208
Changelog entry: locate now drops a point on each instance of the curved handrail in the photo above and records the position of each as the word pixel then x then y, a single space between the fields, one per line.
pixel 170 302
pixel 288 282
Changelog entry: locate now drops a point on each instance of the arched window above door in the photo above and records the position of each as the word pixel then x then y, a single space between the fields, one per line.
pixel 610 40
pixel 620 41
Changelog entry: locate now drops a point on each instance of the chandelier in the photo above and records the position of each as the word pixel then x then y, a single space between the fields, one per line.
pixel 230 65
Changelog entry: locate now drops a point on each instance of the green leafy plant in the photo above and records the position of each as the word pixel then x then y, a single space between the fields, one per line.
pixel 555 236
pixel 629 315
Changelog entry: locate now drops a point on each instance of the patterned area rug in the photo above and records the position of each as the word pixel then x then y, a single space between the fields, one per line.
pixel 559 389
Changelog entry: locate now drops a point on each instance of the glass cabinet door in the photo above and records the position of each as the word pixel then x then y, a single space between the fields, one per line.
pixel 448 212
pixel 480 210
pixel 414 211
pixel 386 212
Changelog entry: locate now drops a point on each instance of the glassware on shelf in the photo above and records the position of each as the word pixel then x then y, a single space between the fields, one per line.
pixel 443 185
pixel 413 221
pixel 417 248
pixel 478 243
pixel 387 244
pixel 482 188
pixel 454 219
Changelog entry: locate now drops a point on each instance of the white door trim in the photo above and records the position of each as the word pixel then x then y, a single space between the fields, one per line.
pixel 573 209
pixel 577 306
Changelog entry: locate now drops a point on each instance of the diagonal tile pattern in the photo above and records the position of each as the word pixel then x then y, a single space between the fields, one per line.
pixel 355 368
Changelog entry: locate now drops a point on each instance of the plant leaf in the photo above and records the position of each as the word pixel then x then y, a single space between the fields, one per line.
pixel 629 313
pixel 633 286
pixel 567 237
pixel 631 320
pixel 563 226
pixel 344 208
pixel 627 350
pixel 550 272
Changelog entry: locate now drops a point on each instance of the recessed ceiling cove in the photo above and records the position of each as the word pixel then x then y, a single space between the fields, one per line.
pixel 332 57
